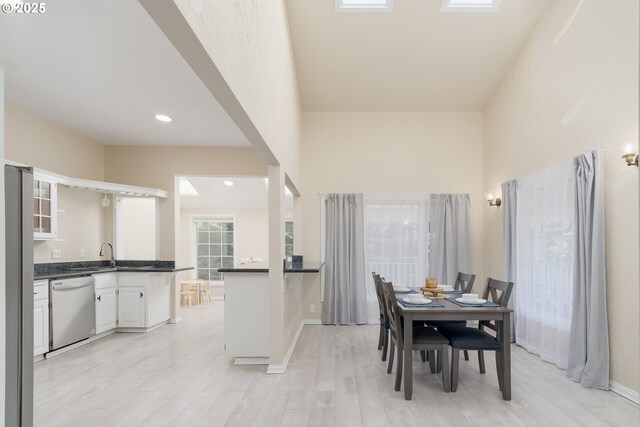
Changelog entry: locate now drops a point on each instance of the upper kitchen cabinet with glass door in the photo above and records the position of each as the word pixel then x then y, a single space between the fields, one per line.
pixel 45 213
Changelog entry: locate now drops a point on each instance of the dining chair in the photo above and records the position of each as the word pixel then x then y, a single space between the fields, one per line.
pixel 383 340
pixel 424 339
pixel 204 291
pixel 188 292
pixel 472 338
pixel 464 284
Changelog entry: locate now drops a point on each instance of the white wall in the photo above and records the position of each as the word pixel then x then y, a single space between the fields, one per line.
pixel 574 88
pixel 251 237
pixel 137 228
pixel 389 153
pixel 250 45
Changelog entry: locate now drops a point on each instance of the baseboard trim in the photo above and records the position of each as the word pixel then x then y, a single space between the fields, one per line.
pixel 281 369
pixel 625 392
pixel 251 361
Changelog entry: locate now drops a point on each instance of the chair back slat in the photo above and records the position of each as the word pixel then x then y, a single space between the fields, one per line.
pixel 464 282
pixel 378 286
pixel 393 311
pixel 498 292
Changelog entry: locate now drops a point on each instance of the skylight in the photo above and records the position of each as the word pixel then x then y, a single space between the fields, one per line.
pixel 364 6
pixel 469 6
pixel 287 192
pixel 186 188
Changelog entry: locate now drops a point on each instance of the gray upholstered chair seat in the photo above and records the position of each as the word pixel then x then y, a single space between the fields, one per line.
pixel 428 336
pixel 464 338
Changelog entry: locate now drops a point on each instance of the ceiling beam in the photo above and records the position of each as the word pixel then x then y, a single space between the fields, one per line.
pixel 170 20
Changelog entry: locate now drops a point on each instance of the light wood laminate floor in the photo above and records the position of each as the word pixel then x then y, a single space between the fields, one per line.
pixel 179 375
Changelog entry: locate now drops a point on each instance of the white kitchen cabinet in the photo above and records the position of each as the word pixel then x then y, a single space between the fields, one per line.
pixel 132 307
pixel 246 317
pixel 106 301
pixel 156 290
pixel 106 309
pixel 45 207
pixel 159 300
pixel 40 317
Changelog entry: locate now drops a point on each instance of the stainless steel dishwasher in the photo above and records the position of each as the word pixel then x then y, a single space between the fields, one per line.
pixel 73 311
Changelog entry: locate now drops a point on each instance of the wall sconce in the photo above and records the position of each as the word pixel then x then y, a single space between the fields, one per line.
pixel 494 202
pixel 630 157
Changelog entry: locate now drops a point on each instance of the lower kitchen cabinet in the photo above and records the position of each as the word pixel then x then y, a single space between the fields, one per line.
pixel 106 309
pixel 144 300
pixel 132 307
pixel 40 318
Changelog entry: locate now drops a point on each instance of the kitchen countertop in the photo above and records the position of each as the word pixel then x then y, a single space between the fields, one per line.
pixel 305 267
pixel 59 270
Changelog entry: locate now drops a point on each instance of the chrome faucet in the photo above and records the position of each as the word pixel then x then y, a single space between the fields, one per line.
pixel 113 261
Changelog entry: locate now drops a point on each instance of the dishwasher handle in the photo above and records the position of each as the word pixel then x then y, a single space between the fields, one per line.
pixel 61 285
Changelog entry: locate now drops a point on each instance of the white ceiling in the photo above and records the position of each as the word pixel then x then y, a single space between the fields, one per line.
pixel 413 59
pixel 245 193
pixel 104 69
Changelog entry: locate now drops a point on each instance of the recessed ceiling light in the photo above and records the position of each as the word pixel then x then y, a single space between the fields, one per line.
pixel 163 118
pixel 469 5
pixel 228 183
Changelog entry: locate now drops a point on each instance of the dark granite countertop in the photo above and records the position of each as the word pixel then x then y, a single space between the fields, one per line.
pixel 305 267
pixel 58 270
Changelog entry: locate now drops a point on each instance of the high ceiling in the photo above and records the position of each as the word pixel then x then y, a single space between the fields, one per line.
pixel 214 194
pixel 413 59
pixel 105 70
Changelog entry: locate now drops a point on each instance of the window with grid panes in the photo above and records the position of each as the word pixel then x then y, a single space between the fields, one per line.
pixel 288 238
pixel 214 246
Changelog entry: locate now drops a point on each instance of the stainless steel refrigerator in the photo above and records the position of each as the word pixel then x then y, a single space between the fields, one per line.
pixel 19 296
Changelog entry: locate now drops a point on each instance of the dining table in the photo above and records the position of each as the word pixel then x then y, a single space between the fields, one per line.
pixel 451 311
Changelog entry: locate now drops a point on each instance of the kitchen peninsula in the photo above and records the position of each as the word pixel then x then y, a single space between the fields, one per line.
pixel 246 313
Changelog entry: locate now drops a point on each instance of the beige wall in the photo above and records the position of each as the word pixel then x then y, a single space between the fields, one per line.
pixel 38 142
pixel 81 225
pixel 389 153
pixel 157 167
pixel 251 237
pixel 568 93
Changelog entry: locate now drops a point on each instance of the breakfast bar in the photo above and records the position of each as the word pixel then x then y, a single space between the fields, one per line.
pixel 246 313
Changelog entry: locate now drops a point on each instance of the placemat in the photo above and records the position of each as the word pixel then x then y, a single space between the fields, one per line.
pixel 432 304
pixel 464 304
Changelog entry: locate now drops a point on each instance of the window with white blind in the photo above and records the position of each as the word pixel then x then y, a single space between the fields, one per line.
pixel 214 246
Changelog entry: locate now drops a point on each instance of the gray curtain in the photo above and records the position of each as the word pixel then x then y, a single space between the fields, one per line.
pixel 449 236
pixel 509 208
pixel 345 300
pixel 589 339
